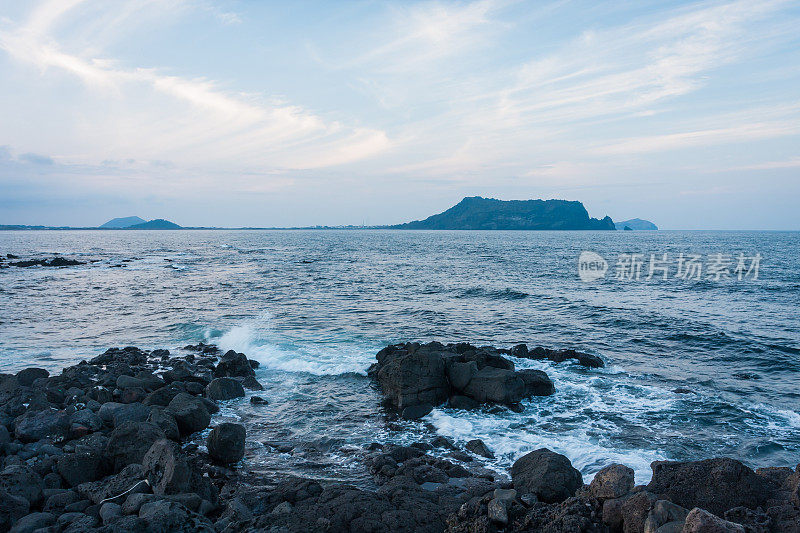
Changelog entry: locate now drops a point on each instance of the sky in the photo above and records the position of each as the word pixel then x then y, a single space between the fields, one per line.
pixel 259 113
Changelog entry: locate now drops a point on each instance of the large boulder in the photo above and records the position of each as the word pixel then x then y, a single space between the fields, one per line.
pixel 412 377
pixel 27 376
pixel 460 373
pixel 226 442
pixel 233 364
pixel 115 414
pixel 665 513
pixel 635 511
pixel 496 385
pixel 190 413
pixel 77 468
pixel 163 419
pixel 716 485
pixel 548 475
pixel 701 521
pixel 537 383
pixel 166 468
pixel 612 481
pixel 221 389
pixel 22 481
pixel 164 395
pixel 129 443
pixel 37 425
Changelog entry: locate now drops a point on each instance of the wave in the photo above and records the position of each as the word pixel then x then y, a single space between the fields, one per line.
pixel 256 340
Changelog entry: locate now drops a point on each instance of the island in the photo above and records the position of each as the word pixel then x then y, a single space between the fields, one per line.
pixel 478 213
pixel 122 222
pixel 636 224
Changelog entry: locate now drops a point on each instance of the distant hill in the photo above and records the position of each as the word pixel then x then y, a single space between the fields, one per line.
pixel 122 222
pixel 477 213
pixel 158 223
pixel 636 224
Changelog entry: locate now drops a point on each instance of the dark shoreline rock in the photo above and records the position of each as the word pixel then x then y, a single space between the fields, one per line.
pixel 111 445
pixel 414 374
pixel 54 262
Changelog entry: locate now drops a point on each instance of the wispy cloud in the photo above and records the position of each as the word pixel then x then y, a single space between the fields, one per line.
pixel 162 116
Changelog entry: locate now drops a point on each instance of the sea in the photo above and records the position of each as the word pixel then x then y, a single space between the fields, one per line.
pixel 699 332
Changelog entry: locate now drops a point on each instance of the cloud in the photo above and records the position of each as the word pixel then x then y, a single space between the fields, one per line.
pixel 36 159
pixel 189 121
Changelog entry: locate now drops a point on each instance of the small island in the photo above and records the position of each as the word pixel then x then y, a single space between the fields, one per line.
pixel 636 224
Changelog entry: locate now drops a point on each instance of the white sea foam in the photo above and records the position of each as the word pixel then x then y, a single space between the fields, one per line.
pixel 578 421
pixel 257 340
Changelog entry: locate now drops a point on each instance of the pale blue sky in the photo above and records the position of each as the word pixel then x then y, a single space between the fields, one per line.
pixel 299 113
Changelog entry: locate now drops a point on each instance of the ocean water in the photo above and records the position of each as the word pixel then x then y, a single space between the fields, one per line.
pixel 314 307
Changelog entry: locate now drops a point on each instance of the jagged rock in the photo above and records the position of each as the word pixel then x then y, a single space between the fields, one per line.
pixel 612 481
pixel 537 383
pixel 77 468
pixel 713 484
pixel 37 425
pixel 757 521
pixel 443 442
pixel 27 376
pixel 478 447
pixel 129 443
pixel 226 442
pixel 411 376
pixel 460 374
pixel 635 511
pixel 190 413
pixel 664 513
pixel 462 402
pixel 164 395
pixel 497 511
pixel 86 418
pixel 233 364
pixel 415 412
pixel 164 420
pixel 559 356
pixel 134 502
pixel 496 385
pixel 21 480
pixel 58 502
pixel 548 475
pixel 701 521
pixel 110 512
pixel 115 414
pixel 221 389
pixel 250 382
pixel 129 382
pixel 166 468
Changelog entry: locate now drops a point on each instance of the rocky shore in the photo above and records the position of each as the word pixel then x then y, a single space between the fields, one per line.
pixel 123 443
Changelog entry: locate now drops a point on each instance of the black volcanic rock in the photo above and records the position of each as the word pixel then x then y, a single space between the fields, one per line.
pixel 477 213
pixel 414 374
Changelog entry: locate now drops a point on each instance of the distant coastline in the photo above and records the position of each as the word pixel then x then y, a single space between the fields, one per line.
pixel 472 213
